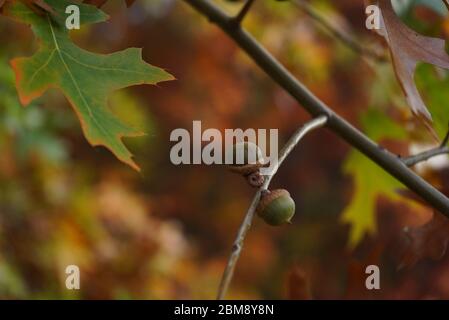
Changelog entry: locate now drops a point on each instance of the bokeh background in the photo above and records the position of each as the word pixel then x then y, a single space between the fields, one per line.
pixel 166 233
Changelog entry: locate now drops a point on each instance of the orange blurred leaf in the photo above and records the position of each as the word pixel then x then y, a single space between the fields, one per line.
pixel 298 285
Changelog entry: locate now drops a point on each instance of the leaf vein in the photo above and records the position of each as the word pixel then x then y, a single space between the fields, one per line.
pixel 101 68
pixel 58 49
pixel 42 67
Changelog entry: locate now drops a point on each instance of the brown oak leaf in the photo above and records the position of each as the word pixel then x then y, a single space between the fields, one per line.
pixel 407 49
pixel 428 241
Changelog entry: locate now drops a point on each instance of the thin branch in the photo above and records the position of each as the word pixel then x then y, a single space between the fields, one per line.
pixel 247 221
pixel 343 37
pixel 424 156
pixel 278 73
pixel 237 20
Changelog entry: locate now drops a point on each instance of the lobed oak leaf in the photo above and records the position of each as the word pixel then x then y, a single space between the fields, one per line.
pixel 427 241
pixel 85 78
pixel 369 180
pixel 407 49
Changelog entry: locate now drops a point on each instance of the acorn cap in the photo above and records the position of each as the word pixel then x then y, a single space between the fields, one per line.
pixel 249 165
pixel 246 169
pixel 276 207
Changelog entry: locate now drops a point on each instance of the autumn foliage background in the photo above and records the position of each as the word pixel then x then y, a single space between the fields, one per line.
pixel 165 233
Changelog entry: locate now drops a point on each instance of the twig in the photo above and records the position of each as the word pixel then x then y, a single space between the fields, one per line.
pixel 247 221
pixel 344 38
pixel 278 73
pixel 237 20
pixel 424 156
pixel 445 140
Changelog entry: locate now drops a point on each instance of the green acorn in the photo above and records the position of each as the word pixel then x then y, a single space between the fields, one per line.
pixel 276 207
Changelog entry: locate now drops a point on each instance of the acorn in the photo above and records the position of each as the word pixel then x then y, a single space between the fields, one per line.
pixel 276 207
pixel 252 158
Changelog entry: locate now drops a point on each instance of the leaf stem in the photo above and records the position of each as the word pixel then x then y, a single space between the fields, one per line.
pixel 228 273
pixel 445 140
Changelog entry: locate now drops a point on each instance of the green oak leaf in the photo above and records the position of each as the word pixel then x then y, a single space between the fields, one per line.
pixel 434 86
pixel 369 180
pixel 85 78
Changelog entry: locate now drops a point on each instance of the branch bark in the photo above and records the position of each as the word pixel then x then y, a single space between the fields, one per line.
pixel 247 221
pixel 278 73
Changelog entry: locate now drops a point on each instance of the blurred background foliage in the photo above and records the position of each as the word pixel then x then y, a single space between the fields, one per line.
pixel 166 233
